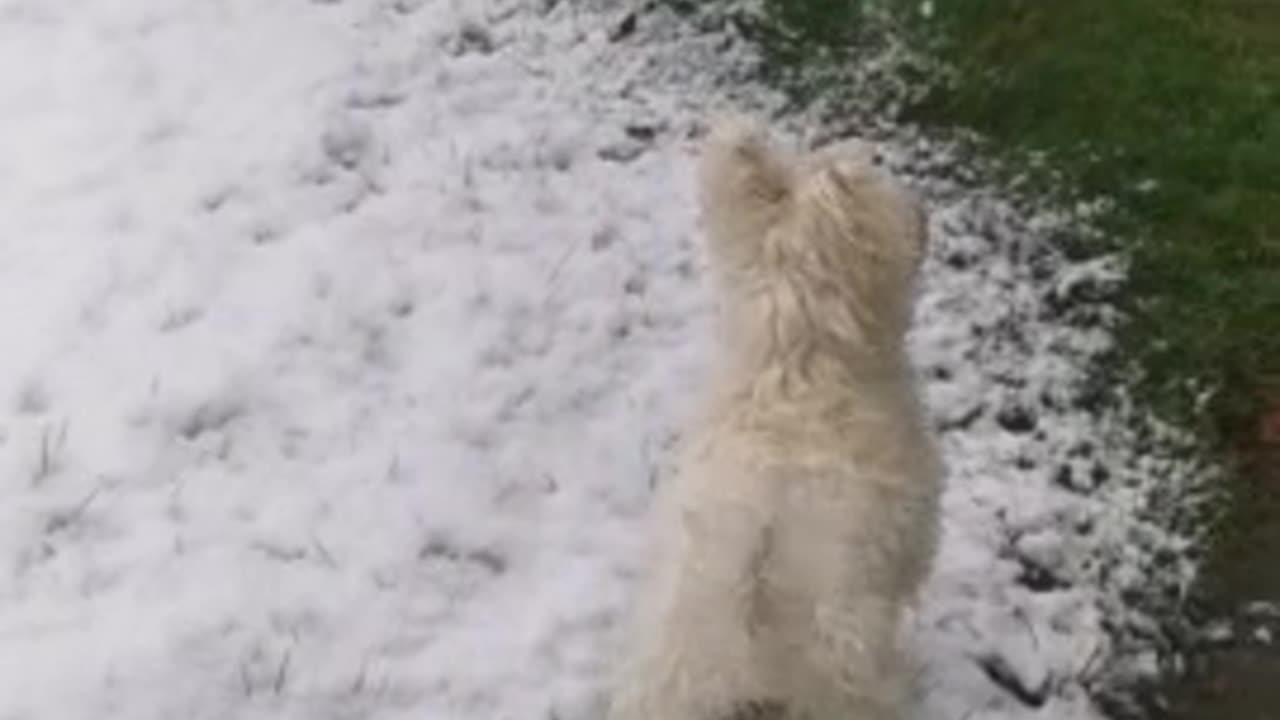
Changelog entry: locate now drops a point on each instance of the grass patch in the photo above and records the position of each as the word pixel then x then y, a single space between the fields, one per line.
pixel 1170 108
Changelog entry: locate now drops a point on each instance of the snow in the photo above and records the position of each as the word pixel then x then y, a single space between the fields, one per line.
pixel 344 341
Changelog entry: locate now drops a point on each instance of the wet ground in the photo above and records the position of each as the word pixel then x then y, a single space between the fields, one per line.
pixel 1233 673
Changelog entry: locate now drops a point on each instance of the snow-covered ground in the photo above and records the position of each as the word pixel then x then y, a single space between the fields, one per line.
pixel 341 344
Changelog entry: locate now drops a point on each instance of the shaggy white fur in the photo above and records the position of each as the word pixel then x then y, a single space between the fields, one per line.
pixel 802 517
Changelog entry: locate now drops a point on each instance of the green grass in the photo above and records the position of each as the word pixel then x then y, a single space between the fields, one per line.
pixel 1171 108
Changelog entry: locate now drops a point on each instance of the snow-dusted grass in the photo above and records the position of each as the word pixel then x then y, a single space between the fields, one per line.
pixel 342 344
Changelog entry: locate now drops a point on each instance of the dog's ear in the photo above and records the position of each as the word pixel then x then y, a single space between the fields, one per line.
pixel 740 167
pixel 849 159
pixel 743 183
pixel 844 181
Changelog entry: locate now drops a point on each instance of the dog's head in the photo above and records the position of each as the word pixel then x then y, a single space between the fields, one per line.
pixel 830 224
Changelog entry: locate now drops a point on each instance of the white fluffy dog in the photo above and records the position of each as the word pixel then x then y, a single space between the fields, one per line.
pixel 802 517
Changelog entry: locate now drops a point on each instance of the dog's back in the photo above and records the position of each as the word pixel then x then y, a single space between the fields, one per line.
pixel 802 516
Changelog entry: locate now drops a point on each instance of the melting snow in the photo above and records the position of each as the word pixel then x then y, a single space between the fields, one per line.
pixel 343 342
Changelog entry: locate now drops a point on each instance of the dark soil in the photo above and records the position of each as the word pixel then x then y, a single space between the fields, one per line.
pixel 1235 673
